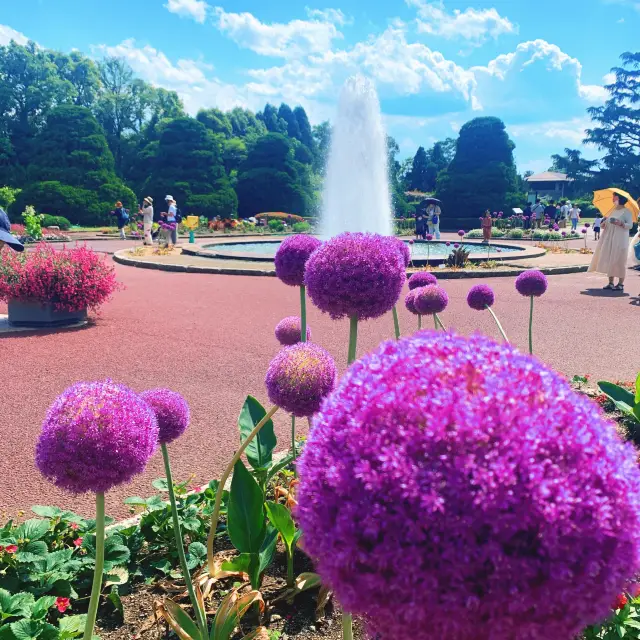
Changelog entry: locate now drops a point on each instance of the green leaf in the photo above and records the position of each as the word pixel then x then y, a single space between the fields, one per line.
pixel 281 519
pixel 260 450
pixel 617 393
pixel 116 554
pixel 32 529
pixel 5 601
pixel 240 563
pixel 160 484
pixel 116 601
pixel 47 511
pixel 245 512
pixel 71 626
pixel 198 550
pixel 26 629
pixel 276 468
pixel 117 575
pixel 268 548
pixel 183 619
pixel 136 501
pixel 32 551
pixel 42 606
pixel 21 604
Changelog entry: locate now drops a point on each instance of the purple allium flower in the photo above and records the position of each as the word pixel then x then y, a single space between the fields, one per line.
pixel 171 411
pixel 289 331
pixel 429 237
pixel 403 249
pixel 480 218
pixel 430 299
pixel 480 297
pixel 500 213
pixel 355 274
pixel 411 241
pixel 583 230
pixel 448 243
pixel 422 279
pixel 456 245
pixel 499 250
pixel 461 233
pixel 409 302
pixel 564 233
pixel 531 283
pixel 300 377
pixel 587 224
pixel 471 494
pixel 556 227
pixel 96 435
pixel 291 257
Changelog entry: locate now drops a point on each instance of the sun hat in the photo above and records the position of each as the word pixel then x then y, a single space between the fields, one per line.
pixel 168 198
pixel 148 199
pixel 5 233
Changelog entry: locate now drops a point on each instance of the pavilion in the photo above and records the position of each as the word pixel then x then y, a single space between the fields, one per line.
pixel 548 184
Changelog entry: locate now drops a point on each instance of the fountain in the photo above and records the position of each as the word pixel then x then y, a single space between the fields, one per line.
pixel 356 190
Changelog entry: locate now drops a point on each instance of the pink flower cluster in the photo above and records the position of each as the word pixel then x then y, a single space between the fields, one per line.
pixel 71 279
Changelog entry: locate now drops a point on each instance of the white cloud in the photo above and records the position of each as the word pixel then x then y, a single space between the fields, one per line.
pixel 196 9
pixel 329 15
pixel 569 132
pixel 293 39
pixel 7 34
pixel 474 25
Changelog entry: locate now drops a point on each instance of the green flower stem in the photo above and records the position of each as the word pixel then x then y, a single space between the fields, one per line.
pixel 303 314
pixel 200 615
pixel 96 587
pixel 531 327
pixel 396 322
pixel 439 322
pixel 347 626
pixel 353 338
pixel 289 567
pixel 225 476
pixel 419 321
pixel 293 438
pixel 495 317
pixel 435 320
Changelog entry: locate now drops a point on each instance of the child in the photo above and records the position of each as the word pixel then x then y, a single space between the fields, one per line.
pixel 596 226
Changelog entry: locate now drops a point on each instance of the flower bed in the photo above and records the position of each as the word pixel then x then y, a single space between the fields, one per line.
pixel 70 279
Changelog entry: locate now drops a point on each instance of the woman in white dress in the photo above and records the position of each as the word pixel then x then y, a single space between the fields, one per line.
pixel 147 220
pixel 611 253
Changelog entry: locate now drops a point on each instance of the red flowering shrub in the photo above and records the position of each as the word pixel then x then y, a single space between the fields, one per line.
pixel 71 279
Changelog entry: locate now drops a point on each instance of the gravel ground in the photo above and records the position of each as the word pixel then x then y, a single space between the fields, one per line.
pixel 211 338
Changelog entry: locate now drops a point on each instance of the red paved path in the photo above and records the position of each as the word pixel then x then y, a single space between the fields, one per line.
pixel 210 338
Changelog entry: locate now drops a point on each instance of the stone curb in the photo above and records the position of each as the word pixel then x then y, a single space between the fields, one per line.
pixel 446 275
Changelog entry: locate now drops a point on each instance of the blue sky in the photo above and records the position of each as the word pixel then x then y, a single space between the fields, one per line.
pixel 536 64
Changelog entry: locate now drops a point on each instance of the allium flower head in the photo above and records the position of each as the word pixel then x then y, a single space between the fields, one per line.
pixel 409 302
pixel 456 245
pixel 411 241
pixel 461 233
pixel 480 297
pixel 471 494
pixel 289 331
pixel 96 435
pixel 584 230
pixel 355 274
pixel 300 377
pixel 429 237
pixel 422 279
pixel 292 256
pixel 587 224
pixel 448 243
pixel 556 227
pixel 403 249
pixel 564 233
pixel 531 283
pixel 430 299
pixel 172 413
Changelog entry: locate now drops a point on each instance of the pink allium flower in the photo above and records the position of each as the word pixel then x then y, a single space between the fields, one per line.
pixel 480 297
pixel 96 435
pixel 430 299
pixel 531 283
pixel 289 331
pixel 409 302
pixel 422 279
pixel 171 411
pixel 471 494
pixel 292 256
pixel 355 274
pixel 300 377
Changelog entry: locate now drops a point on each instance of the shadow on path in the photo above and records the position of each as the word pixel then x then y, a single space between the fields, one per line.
pixel 604 293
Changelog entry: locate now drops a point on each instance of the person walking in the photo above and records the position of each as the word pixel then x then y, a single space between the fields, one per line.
pixel 596 226
pixel 574 215
pixel 122 217
pixel 147 219
pixel 172 218
pixel 421 226
pixel 526 214
pixel 435 222
pixel 564 214
pixel 6 236
pixel 537 211
pixel 610 256
pixel 487 223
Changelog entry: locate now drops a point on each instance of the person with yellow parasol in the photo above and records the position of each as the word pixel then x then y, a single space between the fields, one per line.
pixel 610 257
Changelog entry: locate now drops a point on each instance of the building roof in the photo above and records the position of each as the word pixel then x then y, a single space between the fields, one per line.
pixel 549 176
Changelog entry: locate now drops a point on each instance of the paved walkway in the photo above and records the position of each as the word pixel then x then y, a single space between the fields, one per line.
pixel 211 338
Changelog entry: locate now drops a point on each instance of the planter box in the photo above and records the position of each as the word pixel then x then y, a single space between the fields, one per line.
pixel 36 314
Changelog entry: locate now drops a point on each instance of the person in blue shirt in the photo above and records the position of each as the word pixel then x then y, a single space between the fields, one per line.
pixel 5 233
pixel 122 217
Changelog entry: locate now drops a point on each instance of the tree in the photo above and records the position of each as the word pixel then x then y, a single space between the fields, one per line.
pixel 398 199
pixel 272 120
pixel 482 174
pixel 304 127
pixel 188 165
pixel 271 179
pixel 419 180
pixel 579 169
pixel 83 75
pixel 285 114
pixel 216 121
pixel 322 140
pixel 448 148
pixel 617 126
pixel 245 124
pixel 234 153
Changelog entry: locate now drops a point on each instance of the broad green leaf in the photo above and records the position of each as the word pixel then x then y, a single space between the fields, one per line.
pixel 47 511
pixel 281 519
pixel 114 599
pixel 5 601
pixel 231 610
pixel 21 604
pixel 268 548
pixel 617 393
pixel 160 484
pixel 71 626
pixel 117 575
pixel 276 468
pixel 42 606
pixel 260 450
pixel 245 512
pixel 240 563
pixel 183 620
pixel 32 529
pixel 116 554
pixel 26 629
pixel 32 551
pixel 198 550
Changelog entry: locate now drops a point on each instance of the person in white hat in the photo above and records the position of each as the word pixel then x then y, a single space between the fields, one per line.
pixel 147 219
pixel 172 212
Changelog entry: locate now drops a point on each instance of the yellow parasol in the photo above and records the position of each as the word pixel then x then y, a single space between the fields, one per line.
pixel 602 199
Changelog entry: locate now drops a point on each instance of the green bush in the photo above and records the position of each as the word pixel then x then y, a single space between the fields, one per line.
pixel 8 196
pixel 516 234
pixel 56 221
pixel 302 227
pixel 498 233
pixel 585 204
pixel 474 234
pixel 276 225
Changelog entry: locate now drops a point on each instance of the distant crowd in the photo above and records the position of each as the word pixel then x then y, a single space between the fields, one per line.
pixel 557 213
